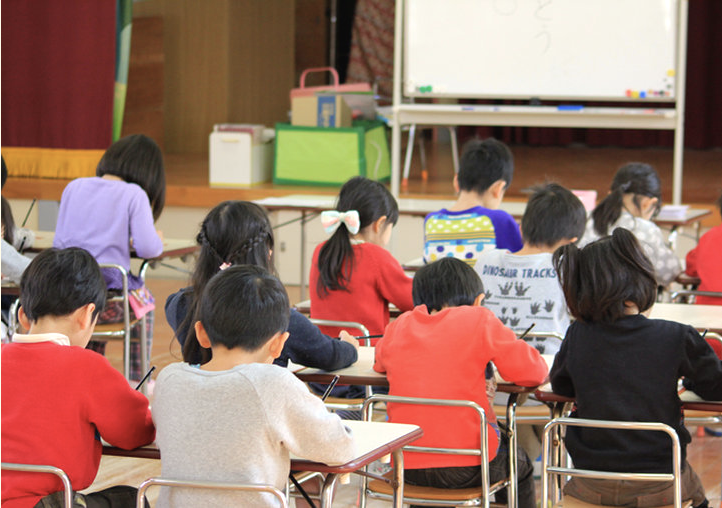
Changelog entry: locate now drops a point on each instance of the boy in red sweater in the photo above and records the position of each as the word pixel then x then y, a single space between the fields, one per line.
pixel 703 262
pixel 440 350
pixel 58 398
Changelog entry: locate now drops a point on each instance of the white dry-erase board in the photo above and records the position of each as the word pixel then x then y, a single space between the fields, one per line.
pixel 584 49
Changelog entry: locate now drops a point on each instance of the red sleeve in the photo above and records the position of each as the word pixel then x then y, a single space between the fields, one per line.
pixel 691 263
pixel 517 361
pixel 121 415
pixel 393 284
pixel 380 348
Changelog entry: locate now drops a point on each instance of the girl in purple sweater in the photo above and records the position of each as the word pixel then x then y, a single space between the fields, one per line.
pixel 112 212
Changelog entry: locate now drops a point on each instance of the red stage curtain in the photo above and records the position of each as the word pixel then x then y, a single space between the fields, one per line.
pixel 58 73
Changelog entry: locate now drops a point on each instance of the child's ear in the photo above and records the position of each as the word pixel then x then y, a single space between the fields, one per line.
pixel 456 183
pixel 83 316
pixel 498 188
pixel 378 225
pixel 478 299
pixel 275 345
pixel 202 335
pixel 23 318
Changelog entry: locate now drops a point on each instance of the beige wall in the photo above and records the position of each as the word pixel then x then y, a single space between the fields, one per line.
pixel 225 61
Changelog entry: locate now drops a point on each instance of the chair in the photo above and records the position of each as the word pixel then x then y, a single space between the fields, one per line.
pixel 198 484
pixel 477 496
pixel 338 403
pixel 122 330
pixel 688 295
pixel 32 468
pixel 549 470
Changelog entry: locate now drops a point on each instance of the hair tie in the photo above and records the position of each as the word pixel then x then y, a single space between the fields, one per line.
pixel 625 186
pixel 332 219
pixel 224 266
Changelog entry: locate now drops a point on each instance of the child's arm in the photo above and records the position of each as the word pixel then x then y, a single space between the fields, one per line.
pixel 305 426
pixel 120 413
pixel 507 233
pixel 306 345
pixel 691 263
pixel 393 284
pixel 517 361
pixel 701 366
pixel 146 242
pixel 666 264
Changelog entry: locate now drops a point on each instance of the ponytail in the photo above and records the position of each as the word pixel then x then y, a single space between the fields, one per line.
pixel 335 259
pixel 637 178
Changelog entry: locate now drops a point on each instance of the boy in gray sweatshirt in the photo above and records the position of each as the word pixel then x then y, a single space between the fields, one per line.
pixel 238 418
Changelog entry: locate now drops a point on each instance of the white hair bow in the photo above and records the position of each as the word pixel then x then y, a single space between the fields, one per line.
pixel 332 219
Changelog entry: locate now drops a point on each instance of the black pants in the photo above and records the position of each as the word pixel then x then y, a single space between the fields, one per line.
pixel 120 496
pixel 470 476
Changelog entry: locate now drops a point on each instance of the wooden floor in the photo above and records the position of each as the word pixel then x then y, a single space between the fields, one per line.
pixel 704 453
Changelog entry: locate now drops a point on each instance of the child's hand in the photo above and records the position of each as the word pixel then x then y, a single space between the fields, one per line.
pixel 159 233
pixel 347 337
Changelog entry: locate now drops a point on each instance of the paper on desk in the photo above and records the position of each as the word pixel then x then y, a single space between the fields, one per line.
pixel 669 212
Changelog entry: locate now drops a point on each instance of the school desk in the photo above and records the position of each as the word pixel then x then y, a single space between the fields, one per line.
pixel 374 440
pixel 362 373
pixel 701 317
pixel 304 307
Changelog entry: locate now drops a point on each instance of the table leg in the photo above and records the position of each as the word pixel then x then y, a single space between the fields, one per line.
pixel 327 490
pixel 511 425
pixel 303 255
pixel 398 460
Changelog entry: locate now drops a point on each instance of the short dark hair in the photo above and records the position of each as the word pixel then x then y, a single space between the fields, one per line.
pixel 553 213
pixel 243 307
pixel 60 281
pixel 448 282
pixel 484 162
pixel 137 159
pixel 599 278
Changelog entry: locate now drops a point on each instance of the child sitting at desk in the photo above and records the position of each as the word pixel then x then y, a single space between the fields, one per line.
pixel 237 418
pixel 239 232
pixel 441 350
pixel 109 213
pixel 474 222
pixel 620 365
pixel 353 276
pixel 704 262
pixel 634 199
pixel 522 288
pixel 58 398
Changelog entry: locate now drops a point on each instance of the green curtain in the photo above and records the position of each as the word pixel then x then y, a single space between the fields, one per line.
pixel 124 25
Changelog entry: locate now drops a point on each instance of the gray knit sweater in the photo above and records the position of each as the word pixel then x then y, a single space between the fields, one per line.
pixel 240 426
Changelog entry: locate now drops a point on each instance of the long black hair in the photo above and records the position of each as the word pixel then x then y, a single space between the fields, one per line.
pixel 137 159
pixel 372 201
pixel 636 178
pixel 598 279
pixel 236 233
pixel 8 222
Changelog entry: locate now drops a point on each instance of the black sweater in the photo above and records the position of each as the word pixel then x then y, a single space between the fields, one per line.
pixel 306 345
pixel 628 371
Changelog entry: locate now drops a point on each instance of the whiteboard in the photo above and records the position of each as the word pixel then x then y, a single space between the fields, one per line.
pixel 550 49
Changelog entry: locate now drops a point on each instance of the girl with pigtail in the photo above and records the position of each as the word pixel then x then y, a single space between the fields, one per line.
pixel 620 365
pixel 353 277
pixel 239 232
pixel 634 199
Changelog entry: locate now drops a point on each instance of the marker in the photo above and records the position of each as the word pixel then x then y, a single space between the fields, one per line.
pixel 570 107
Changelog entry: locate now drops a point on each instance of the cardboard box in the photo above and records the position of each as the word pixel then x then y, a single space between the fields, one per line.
pixel 240 155
pixel 323 110
pixel 330 156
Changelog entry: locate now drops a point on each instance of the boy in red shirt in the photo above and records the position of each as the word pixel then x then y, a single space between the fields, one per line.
pixel 59 398
pixel 703 262
pixel 440 350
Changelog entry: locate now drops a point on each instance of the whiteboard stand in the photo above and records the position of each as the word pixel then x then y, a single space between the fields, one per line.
pixel 668 118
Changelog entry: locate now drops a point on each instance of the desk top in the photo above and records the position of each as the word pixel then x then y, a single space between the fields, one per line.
pixel 689 400
pixel 172 247
pixel 373 441
pixel 362 373
pixel 701 317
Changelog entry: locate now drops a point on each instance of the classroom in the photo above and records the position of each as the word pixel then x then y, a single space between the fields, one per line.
pixel 218 89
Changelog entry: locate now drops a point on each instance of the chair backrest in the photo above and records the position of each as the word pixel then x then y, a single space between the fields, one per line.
pixel 482 452
pixel 555 469
pixel 34 468
pixel 168 482
pixel 345 324
pixel 676 296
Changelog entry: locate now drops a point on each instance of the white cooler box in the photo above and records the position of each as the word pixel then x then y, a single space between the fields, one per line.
pixel 240 155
